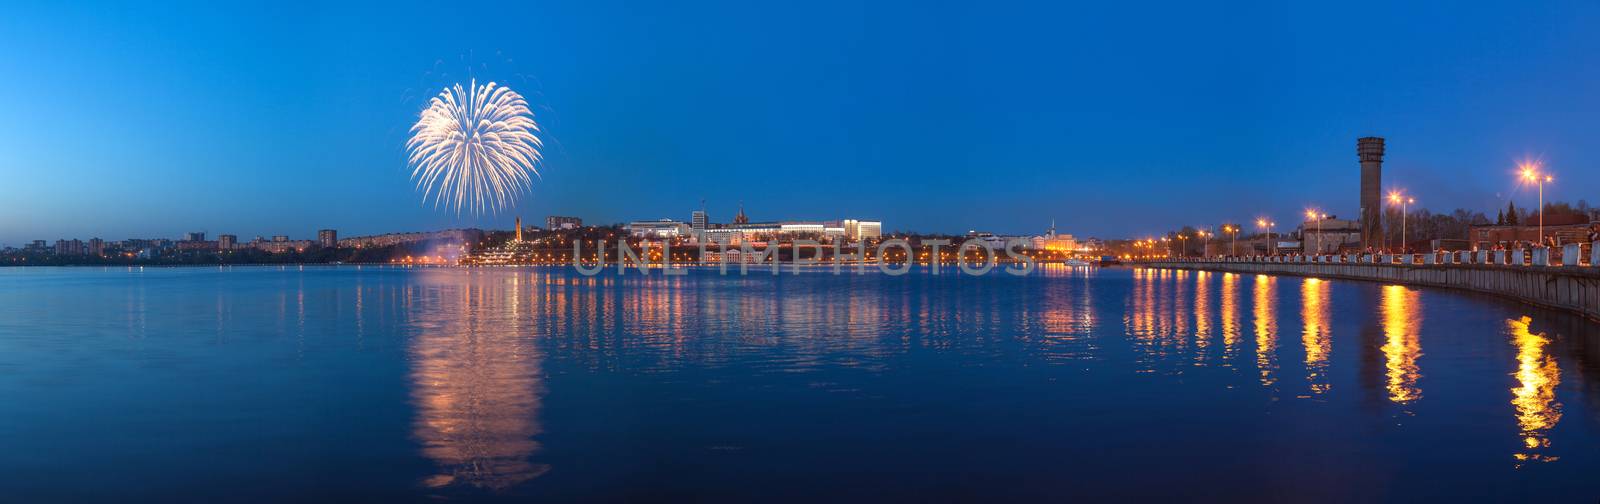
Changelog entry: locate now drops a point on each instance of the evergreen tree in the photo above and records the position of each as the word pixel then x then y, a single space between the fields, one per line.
pixel 1500 218
pixel 1511 214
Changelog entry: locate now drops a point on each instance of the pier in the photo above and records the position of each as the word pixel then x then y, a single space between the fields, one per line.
pixel 1568 280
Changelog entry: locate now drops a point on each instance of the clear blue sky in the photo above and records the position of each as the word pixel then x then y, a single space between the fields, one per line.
pixel 128 120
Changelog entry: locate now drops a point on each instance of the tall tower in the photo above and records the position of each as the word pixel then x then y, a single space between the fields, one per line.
pixel 519 228
pixel 1370 149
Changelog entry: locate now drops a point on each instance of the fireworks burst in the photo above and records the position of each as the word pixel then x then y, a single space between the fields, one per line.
pixel 473 149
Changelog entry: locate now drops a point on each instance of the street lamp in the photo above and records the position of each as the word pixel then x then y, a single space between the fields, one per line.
pixel 1405 205
pixel 1319 217
pixel 1206 245
pixel 1235 231
pixel 1272 248
pixel 1530 173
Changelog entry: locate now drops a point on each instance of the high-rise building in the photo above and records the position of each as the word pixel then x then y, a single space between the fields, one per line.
pixel 195 236
pixel 227 241
pixel 560 222
pixel 328 238
pixel 857 230
pixel 1370 150
pixel 69 247
pixel 97 247
pixel 869 230
pixel 697 221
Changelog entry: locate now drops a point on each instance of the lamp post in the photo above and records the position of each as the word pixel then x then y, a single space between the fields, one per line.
pixel 1530 172
pixel 1234 230
pixel 1318 217
pixel 1405 206
pixel 1272 248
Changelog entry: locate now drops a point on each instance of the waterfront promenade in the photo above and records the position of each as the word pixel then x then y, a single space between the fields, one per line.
pixel 1569 281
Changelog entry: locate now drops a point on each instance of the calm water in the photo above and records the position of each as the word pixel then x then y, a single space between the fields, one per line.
pixel 420 384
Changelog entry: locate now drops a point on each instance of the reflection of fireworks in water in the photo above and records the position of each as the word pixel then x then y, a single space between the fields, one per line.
pixel 476 386
pixel 473 148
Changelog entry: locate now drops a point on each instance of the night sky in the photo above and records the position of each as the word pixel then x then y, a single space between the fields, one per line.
pixel 1115 120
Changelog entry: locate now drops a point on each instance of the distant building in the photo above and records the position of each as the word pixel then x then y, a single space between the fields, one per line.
pixel 197 246
pixel 560 222
pixel 281 244
pixel 697 221
pixel 740 232
pixel 195 242
pixel 1330 235
pixel 97 247
pixel 328 238
pixel 868 230
pixel 469 237
pixel 227 242
pixel 158 244
pixel 69 247
pixel 664 228
pixel 992 240
pixel 1054 242
pixel 852 229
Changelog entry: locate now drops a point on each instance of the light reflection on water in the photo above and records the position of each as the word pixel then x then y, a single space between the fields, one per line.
pixel 542 383
pixel 1230 317
pixel 1314 311
pixel 1402 347
pixel 1534 398
pixel 1265 308
pixel 475 383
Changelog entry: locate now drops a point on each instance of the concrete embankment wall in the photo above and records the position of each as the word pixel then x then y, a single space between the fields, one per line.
pixel 1571 288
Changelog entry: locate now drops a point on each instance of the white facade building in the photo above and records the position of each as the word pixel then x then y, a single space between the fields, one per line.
pixel 664 228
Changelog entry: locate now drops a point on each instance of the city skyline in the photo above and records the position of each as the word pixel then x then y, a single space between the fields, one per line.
pixel 286 119
pixel 732 251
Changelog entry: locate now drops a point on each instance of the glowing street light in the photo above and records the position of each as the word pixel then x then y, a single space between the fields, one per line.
pixel 1314 215
pixel 1396 197
pixel 1272 247
pixel 1234 230
pixel 1530 173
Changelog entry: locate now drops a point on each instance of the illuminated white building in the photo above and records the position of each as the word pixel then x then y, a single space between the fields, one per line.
pixel 664 228
pixel 1056 242
pixel 857 230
